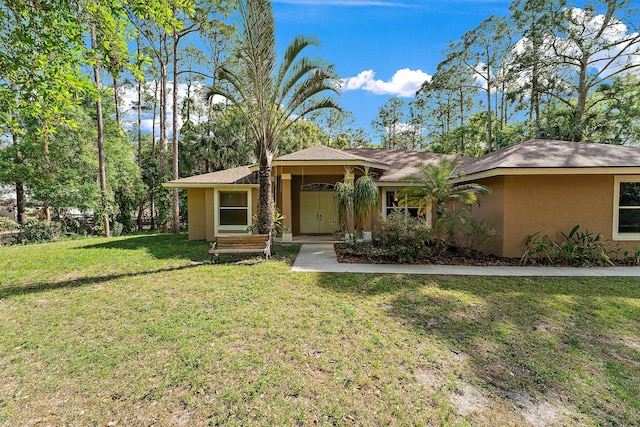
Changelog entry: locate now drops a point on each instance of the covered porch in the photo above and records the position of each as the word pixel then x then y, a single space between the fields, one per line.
pixel 303 185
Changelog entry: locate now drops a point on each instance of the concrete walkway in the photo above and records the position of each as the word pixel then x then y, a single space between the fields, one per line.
pixel 322 258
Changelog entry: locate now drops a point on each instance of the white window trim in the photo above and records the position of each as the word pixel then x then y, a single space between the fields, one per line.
pixel 216 209
pixel 385 190
pixel 616 207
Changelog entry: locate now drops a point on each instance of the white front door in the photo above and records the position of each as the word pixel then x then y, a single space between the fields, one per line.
pixel 318 214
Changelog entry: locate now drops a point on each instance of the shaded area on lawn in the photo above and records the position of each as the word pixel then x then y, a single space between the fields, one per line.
pixel 176 246
pixel 10 291
pixel 160 246
pixel 82 262
pixel 531 340
pixel 571 286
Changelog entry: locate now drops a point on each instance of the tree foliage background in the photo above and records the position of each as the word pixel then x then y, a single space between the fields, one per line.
pixel 549 69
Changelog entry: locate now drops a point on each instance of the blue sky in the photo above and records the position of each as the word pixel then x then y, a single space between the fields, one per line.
pixel 379 39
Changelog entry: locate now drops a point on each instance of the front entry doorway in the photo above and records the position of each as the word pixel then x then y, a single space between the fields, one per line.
pixel 318 213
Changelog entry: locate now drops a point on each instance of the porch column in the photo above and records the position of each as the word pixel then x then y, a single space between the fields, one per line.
pixel 287 210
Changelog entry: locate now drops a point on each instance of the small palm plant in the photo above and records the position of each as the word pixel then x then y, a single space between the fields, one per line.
pixel 355 200
pixel 435 186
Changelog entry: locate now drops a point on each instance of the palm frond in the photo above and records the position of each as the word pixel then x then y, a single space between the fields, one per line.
pixel 290 62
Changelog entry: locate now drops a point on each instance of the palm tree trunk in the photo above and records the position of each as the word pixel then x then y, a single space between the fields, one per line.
pixel 265 201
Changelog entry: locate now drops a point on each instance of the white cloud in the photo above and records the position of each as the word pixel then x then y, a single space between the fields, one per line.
pixel 405 82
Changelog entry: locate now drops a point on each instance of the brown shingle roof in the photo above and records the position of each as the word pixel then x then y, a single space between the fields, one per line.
pixel 401 162
pixel 540 153
pixel 321 152
pixel 239 175
pixel 398 164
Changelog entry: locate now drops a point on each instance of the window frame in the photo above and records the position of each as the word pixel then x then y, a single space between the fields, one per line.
pixel 616 235
pixel 385 207
pixel 218 208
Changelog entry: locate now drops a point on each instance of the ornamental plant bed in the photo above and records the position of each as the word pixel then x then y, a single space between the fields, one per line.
pixel 349 255
pixel 372 255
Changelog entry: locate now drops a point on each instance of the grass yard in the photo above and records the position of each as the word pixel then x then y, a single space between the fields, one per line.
pixel 138 331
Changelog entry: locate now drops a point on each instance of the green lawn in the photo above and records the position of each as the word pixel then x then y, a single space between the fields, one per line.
pixel 138 331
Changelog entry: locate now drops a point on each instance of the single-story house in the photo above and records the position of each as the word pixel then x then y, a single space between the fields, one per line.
pixel 537 185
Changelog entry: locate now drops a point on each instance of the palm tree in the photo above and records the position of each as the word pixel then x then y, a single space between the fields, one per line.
pixel 355 200
pixel 434 187
pixel 272 97
pixel 365 198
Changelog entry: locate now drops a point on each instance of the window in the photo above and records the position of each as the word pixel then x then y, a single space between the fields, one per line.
pixel 626 215
pixel 234 208
pixel 394 204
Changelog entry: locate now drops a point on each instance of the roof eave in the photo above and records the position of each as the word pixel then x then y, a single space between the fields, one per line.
pixel 576 170
pixel 207 184
pixel 354 162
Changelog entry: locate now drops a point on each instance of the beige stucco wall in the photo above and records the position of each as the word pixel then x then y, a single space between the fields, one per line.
pixel 525 204
pixel 376 214
pixel 554 203
pixel 201 208
pixel 196 214
pixel 490 208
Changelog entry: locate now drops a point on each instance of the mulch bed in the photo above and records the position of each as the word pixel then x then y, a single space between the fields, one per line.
pixel 350 256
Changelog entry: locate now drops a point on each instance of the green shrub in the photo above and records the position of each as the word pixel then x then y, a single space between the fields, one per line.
pixel 34 231
pixel 125 219
pixel 464 232
pixel 116 229
pixel 278 225
pixel 365 248
pixel 539 249
pixel 404 238
pixel 578 248
pixel 7 224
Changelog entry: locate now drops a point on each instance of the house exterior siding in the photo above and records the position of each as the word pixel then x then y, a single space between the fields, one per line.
pixel 491 209
pixel 196 213
pixel 554 203
pixel 525 204
pixel 201 207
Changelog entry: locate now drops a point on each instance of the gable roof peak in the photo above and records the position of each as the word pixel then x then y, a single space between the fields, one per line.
pixel 322 153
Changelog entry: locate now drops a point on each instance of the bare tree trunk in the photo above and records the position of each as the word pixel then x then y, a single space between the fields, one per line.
pixel 152 201
pixel 47 212
pixel 20 201
pixel 139 112
pixel 103 175
pixel 174 163
pixel 139 109
pixel 489 129
pixel 153 121
pixel 139 220
pixel 462 137
pixel 116 100
pixel 582 101
pixel 164 145
pixel 20 198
